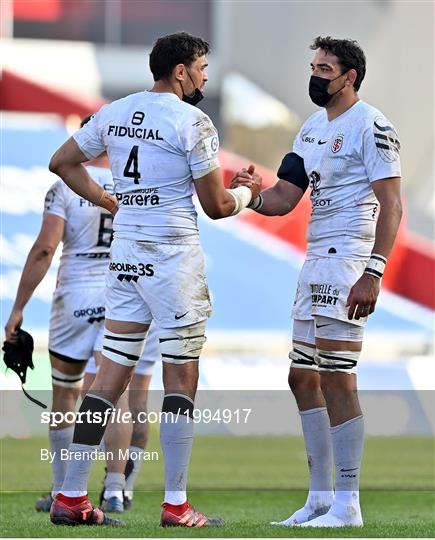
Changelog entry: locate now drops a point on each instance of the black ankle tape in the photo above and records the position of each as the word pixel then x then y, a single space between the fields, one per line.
pixel 91 424
pixel 178 404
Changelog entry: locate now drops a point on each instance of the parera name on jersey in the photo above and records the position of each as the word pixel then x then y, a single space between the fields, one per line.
pixel 140 197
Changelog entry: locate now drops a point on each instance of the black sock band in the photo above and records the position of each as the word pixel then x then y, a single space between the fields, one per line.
pixel 92 422
pixel 178 404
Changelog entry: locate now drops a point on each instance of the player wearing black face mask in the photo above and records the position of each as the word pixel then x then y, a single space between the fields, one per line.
pixel 348 154
pixel 185 156
pixel 194 98
pixel 318 89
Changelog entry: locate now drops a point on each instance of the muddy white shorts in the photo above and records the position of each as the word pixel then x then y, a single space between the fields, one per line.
pixel 150 355
pixel 76 322
pixel 323 288
pixel 161 282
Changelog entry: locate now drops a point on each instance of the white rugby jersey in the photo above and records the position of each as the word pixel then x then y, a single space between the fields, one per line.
pixel 341 158
pixel 88 232
pixel 156 145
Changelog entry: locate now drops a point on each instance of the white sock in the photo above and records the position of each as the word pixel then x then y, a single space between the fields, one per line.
pixel 78 470
pixel 135 454
pixel 113 485
pixel 348 442
pixel 318 445
pixel 176 436
pixel 60 439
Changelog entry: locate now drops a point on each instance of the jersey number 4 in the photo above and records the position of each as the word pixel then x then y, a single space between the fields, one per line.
pixel 132 161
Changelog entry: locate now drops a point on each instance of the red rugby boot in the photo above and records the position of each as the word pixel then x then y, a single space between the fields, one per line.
pixel 78 511
pixel 186 516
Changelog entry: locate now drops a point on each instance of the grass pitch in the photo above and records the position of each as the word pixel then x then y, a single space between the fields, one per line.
pixel 249 481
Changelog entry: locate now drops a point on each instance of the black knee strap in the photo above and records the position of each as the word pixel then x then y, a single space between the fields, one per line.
pixel 91 424
pixel 177 404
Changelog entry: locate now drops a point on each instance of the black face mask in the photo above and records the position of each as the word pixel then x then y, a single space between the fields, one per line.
pixel 195 98
pixel 318 90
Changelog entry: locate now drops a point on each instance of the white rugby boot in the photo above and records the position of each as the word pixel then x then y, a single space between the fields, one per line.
pixel 338 516
pixel 314 507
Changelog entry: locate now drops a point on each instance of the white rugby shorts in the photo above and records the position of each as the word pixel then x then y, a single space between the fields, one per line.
pixel 323 288
pixel 76 322
pixel 161 282
pixel 150 355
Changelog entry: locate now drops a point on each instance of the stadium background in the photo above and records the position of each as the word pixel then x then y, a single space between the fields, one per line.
pixel 61 59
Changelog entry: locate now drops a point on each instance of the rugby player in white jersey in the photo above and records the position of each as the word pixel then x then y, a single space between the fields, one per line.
pixel 77 314
pixel 160 146
pixel 348 154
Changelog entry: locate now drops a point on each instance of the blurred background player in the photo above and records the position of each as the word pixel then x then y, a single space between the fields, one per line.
pixel 77 315
pixel 348 154
pixel 159 145
pixel 133 436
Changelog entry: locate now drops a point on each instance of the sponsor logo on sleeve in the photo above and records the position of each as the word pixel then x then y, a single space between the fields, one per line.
pixel 386 140
pixel 211 145
pixel 49 198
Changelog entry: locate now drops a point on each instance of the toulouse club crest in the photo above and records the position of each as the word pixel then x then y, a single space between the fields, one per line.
pixel 337 143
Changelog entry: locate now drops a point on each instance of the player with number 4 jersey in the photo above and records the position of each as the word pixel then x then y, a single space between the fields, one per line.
pixel 160 146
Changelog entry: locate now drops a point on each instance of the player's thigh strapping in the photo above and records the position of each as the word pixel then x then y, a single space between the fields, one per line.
pixel 146 362
pixel 320 311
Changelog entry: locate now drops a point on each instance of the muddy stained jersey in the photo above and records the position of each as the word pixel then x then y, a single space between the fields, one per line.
pixel 156 145
pixel 88 232
pixel 342 158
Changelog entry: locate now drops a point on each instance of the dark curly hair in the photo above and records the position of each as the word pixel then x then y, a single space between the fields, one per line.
pixel 180 48
pixel 348 52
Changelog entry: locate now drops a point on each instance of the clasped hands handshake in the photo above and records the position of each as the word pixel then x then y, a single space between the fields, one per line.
pixel 249 178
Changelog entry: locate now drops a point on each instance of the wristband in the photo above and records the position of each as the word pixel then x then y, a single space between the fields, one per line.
pixel 104 199
pixel 376 265
pixel 257 203
pixel 242 196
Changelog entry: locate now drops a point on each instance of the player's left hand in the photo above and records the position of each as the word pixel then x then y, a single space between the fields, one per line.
pixel 363 296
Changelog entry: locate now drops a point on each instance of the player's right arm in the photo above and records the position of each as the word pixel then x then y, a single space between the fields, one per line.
pixel 218 202
pixel 280 199
pixel 37 264
pixel 66 162
pixel 200 142
pixel 284 196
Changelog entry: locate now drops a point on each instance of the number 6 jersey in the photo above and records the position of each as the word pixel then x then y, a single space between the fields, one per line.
pixel 88 232
pixel 156 145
